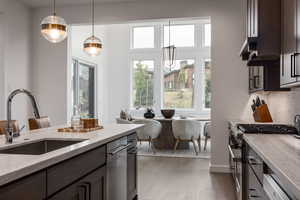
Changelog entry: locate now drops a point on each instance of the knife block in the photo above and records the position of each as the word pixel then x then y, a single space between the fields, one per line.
pixel 262 114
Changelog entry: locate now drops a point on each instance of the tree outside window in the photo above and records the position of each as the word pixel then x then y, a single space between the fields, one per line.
pixel 207 102
pixel 143 78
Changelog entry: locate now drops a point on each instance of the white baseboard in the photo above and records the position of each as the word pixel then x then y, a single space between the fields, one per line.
pixel 219 169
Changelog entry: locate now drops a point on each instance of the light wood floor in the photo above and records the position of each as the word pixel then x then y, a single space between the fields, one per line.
pixel 162 178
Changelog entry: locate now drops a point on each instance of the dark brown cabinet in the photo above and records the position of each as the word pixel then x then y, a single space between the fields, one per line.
pixel 91 187
pixel 262 47
pixel 265 78
pixel 82 177
pixel 252 18
pixel 262 44
pixel 32 187
pixel 290 57
pixel 256 78
pixel 254 176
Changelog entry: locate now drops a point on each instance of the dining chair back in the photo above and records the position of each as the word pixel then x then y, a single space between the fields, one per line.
pixel 187 130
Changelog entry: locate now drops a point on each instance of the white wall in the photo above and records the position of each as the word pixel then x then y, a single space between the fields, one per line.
pixel 78 35
pixel 15 64
pixel 2 87
pixel 118 74
pixel 229 75
pixel 283 106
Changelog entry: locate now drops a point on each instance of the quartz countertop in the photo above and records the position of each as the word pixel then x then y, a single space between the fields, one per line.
pixel 282 154
pixel 13 166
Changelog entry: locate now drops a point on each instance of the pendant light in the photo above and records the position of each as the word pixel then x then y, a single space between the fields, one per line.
pixel 92 45
pixel 53 27
pixel 169 52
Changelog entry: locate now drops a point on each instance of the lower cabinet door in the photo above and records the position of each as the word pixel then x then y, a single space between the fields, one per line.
pixel 91 187
pixel 32 187
pixel 255 189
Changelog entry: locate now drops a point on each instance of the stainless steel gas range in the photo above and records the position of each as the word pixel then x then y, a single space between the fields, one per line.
pixel 236 148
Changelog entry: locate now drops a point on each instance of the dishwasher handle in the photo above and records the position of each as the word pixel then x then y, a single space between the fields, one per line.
pixel 119 149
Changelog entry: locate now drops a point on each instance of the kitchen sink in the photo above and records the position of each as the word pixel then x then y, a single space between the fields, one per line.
pixel 39 147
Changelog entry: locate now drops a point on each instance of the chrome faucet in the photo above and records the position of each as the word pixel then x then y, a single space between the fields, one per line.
pixel 9 130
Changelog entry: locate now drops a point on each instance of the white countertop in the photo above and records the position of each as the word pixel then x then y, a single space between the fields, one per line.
pixel 13 167
pixel 282 154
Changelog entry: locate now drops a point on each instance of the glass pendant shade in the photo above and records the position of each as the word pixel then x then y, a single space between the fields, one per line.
pixel 169 55
pixel 54 28
pixel 92 46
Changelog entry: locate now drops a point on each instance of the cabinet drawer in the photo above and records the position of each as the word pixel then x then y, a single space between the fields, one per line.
pixel 32 187
pixel 66 172
pixel 255 189
pixel 256 164
pixel 90 187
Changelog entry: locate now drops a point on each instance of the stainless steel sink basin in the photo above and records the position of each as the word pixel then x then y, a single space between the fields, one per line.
pixel 39 147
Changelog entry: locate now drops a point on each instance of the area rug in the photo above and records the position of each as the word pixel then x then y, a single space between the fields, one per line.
pixel 144 150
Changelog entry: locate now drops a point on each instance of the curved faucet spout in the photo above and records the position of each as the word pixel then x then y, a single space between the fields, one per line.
pixel 9 129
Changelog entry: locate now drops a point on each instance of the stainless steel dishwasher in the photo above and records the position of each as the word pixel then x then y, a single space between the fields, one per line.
pixel 117 169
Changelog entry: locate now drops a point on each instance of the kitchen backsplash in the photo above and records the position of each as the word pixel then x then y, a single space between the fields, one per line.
pixel 282 105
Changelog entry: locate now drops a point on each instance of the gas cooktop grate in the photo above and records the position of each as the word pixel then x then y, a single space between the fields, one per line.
pixel 267 128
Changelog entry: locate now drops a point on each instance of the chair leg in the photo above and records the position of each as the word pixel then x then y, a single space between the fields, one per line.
pixel 149 142
pixel 199 143
pixel 195 145
pixel 152 146
pixel 176 143
pixel 205 143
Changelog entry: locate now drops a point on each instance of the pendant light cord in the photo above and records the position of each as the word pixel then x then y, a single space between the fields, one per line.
pixel 169 33
pixel 93 17
pixel 54 7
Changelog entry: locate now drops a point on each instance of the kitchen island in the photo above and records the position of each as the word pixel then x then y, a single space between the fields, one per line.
pixel 277 155
pixel 76 170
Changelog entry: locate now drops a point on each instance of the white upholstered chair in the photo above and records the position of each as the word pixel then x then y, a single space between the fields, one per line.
pixel 206 133
pixel 187 130
pixel 148 133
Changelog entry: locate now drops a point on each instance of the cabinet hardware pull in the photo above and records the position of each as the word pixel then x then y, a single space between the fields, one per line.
pixel 293 65
pixel 253 161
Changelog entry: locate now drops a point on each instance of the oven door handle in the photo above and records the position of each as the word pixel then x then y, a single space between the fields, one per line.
pixel 119 149
pixel 233 157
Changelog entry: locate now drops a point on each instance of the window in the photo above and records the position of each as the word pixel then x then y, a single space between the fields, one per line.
pixel 84 79
pixel 186 86
pixel 181 35
pixel 143 83
pixel 207 92
pixel 143 37
pixel 179 93
pixel 207 35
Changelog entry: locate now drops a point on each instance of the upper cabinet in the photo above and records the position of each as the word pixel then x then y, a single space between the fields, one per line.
pixel 252 18
pixel 262 44
pixel 290 59
pixel 262 47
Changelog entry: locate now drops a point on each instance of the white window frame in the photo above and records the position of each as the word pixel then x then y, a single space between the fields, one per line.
pixel 132 27
pixel 199 53
pixel 95 67
pixel 196 42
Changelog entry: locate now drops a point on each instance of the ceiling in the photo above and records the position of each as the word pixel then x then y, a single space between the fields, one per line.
pixel 42 3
